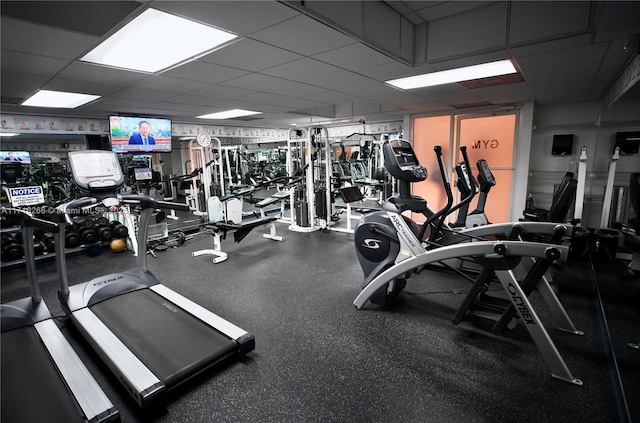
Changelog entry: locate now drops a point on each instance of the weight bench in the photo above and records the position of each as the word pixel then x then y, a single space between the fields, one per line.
pixel 220 227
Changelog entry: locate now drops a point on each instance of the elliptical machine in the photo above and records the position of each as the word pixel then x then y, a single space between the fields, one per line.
pixel 390 247
pixel 382 238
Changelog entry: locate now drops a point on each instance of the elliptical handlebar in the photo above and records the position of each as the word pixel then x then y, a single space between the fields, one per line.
pixel 439 215
pixel 473 186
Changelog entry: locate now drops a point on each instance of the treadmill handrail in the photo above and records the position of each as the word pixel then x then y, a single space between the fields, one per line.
pixel 28 219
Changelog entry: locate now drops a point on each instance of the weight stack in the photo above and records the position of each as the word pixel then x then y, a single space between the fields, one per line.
pixel 302 214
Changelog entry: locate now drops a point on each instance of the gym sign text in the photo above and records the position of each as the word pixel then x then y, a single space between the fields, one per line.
pixel 485 144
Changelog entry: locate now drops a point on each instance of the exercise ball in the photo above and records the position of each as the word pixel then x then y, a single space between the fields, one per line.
pixel 93 250
pixel 118 245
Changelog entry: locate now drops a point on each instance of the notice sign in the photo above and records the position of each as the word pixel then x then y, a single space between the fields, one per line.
pixel 26 196
pixel 143 174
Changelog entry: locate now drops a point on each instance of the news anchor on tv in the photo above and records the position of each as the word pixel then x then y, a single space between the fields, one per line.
pixel 142 137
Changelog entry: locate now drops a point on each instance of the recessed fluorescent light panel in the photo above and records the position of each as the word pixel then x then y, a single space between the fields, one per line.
pixel 156 40
pixel 8 134
pixel 58 99
pixel 229 114
pixel 468 73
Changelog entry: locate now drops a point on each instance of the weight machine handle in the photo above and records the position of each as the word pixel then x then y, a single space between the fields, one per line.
pixel 147 202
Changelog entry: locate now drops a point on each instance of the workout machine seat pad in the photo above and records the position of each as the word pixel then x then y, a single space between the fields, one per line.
pixel 173 344
pixel 32 389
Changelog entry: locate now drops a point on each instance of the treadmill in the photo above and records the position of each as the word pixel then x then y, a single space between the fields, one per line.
pixel 152 338
pixel 43 378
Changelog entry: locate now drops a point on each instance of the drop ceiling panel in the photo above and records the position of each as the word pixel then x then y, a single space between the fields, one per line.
pixel 614 59
pixel 14 61
pixel 432 10
pixel 250 55
pixel 193 100
pixel 460 34
pixel 303 35
pixel 190 110
pixel 46 41
pixel 550 46
pixel 504 94
pixel 393 70
pixel 167 83
pixel 85 87
pixel 239 17
pixel 551 83
pixel 531 20
pixel 220 92
pixel 279 100
pixel 317 73
pixel 24 80
pixel 77 16
pixel 138 93
pixel 88 72
pixel 387 94
pixel 619 20
pixel 270 84
pixel 205 72
pixel 329 97
pixel 355 57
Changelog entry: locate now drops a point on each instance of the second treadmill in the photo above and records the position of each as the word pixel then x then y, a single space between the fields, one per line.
pixel 152 338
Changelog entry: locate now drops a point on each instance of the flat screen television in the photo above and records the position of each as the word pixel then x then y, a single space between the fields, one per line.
pixel 628 142
pixel 15 156
pixel 562 144
pixel 131 134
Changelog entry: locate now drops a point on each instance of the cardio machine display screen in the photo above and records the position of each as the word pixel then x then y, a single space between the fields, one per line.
pixel 95 169
pixel 405 157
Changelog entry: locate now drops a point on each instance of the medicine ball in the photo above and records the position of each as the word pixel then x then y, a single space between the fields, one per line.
pixel 118 245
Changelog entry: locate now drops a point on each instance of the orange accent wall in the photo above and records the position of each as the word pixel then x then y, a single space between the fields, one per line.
pixel 486 137
pixel 427 133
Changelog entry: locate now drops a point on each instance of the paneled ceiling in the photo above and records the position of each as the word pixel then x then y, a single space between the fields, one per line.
pixel 321 61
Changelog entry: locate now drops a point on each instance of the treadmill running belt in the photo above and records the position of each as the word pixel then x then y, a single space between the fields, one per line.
pixel 169 341
pixel 32 389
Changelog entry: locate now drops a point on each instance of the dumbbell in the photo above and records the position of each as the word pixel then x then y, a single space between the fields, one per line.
pixel 42 242
pixel 37 248
pixel 103 228
pixel 48 243
pixel 119 230
pixel 71 238
pixel 11 248
pixel 87 233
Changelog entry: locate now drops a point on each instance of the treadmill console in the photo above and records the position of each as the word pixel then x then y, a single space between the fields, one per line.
pixel 95 170
pixel 401 161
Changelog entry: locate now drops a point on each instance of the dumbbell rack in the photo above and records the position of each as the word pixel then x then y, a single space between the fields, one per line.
pixel 124 217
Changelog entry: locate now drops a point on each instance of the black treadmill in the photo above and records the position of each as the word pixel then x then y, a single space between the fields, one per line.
pixel 43 378
pixel 152 338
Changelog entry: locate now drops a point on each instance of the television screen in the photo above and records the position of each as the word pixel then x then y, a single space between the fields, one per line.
pixel 562 144
pixel 628 142
pixel 15 156
pixel 138 134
